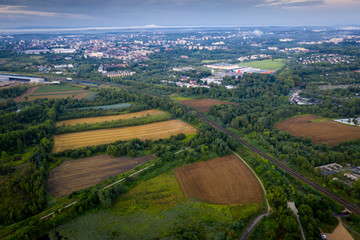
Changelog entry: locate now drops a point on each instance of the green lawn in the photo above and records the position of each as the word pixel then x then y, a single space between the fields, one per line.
pixel 57 88
pixel 269 64
pixel 157 209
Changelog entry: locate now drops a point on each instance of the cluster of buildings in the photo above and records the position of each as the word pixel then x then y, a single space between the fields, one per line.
pixel 325 58
pixel 236 70
pixel 297 99
pixel 112 74
pixel 254 57
pixel 352 172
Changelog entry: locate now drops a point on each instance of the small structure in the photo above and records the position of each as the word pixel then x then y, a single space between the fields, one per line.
pixel 352 176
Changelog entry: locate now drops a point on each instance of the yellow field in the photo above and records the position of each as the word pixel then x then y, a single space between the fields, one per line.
pixel 148 131
pixel 109 118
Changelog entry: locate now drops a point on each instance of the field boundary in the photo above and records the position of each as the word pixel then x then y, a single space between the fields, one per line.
pixel 268 208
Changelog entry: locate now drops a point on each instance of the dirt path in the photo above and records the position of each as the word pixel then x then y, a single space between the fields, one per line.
pixel 340 233
pixel 27 93
pixel 262 186
pixel 252 225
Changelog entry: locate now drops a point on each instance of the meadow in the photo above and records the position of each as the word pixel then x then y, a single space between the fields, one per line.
pixel 157 209
pixel 268 64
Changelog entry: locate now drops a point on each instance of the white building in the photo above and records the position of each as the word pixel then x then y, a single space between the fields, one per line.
pixel 63 50
pixel 21 78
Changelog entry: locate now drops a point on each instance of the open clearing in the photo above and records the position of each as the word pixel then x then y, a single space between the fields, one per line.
pixel 340 232
pixel 157 130
pixel 224 180
pixel 57 88
pixel 320 130
pixel 78 174
pixel 204 105
pixel 269 64
pixel 109 118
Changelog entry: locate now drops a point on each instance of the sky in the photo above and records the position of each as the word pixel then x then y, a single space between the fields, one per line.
pixel 126 13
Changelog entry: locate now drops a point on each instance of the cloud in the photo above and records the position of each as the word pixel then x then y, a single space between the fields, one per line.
pixel 12 10
pixel 290 3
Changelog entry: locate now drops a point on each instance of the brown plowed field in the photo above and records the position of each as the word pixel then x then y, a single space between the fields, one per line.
pixel 78 174
pixel 157 130
pixel 80 95
pixel 224 180
pixel 203 105
pixel 320 130
pixel 109 118
pixel 28 92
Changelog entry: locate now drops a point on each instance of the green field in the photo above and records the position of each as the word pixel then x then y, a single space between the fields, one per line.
pixel 157 209
pixel 57 88
pixel 106 107
pixel 269 64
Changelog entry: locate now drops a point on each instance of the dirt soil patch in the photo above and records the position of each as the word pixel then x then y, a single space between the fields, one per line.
pixel 319 130
pixel 109 118
pixel 80 95
pixel 224 180
pixel 204 105
pixel 78 174
pixel 28 92
pixel 157 130
pixel 340 232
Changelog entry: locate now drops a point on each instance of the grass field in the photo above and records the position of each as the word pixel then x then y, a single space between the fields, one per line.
pixel 57 88
pixel 107 107
pixel 52 96
pixel 224 180
pixel 157 130
pixel 109 118
pixel 156 209
pixel 203 105
pixel 319 130
pixel 269 64
pixel 78 174
pixel 54 91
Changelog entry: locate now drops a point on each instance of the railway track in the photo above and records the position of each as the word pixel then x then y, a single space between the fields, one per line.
pixel 348 206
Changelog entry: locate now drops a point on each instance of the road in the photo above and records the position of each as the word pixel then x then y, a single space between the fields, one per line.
pixel 252 225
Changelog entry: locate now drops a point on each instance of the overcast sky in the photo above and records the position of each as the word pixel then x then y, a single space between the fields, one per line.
pixel 125 13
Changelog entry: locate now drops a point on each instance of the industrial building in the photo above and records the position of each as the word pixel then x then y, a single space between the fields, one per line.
pixel 4 78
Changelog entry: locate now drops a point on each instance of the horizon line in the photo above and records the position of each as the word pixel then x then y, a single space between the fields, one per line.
pixel 153 26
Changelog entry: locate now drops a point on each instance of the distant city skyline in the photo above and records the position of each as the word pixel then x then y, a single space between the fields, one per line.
pixel 128 13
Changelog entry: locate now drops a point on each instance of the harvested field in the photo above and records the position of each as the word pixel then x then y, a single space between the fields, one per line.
pixel 28 92
pixel 224 180
pixel 78 174
pixel 203 105
pixel 80 95
pixel 109 118
pixel 157 130
pixel 320 130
